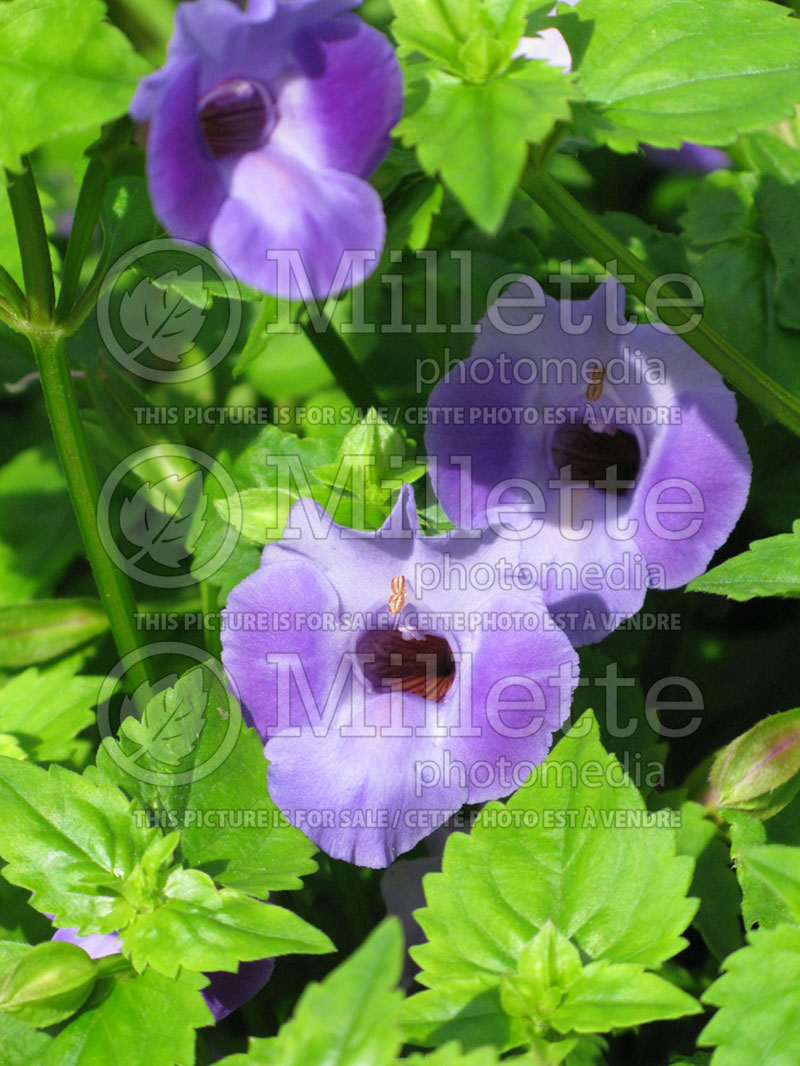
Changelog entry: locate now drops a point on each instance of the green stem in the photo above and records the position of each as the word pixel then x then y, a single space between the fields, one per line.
pixel 87 215
pixel 12 295
pixel 84 490
pixel 339 360
pixel 744 374
pixel 37 271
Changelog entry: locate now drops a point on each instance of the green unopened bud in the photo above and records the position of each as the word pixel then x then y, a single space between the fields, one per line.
pixel 546 968
pixel 371 462
pixel 46 984
pixel 482 55
pixel 759 772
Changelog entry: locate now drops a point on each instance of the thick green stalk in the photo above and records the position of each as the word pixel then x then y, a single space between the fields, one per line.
pixel 87 215
pixel 603 246
pixel 84 490
pixel 34 250
pixel 339 360
pixel 47 342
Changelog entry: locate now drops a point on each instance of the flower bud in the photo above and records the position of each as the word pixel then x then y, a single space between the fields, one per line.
pixel 759 772
pixel 46 984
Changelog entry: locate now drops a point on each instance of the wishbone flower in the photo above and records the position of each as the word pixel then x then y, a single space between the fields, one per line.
pixel 394 677
pixel 609 450
pixel 264 125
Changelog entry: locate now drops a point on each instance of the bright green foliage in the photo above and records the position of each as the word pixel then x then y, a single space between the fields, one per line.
pixel 76 845
pixel 473 39
pixel 224 771
pixel 667 71
pixel 44 710
pixel 148 1015
pixel 33 553
pixel 62 68
pixel 201 927
pixel 45 629
pixel 22 1044
pixel 355 483
pixel 761 904
pixel 554 855
pixel 348 1020
pixel 779 867
pixel 270 460
pixel 477 135
pixel 372 459
pixel 759 1000
pixel 770 568
pixel 714 883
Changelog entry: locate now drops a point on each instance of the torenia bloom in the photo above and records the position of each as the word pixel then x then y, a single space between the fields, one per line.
pixel 264 125
pixel 224 993
pixel 609 450
pixel 394 677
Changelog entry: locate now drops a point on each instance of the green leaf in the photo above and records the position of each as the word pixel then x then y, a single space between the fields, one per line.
pixel 147 1018
pixel 554 853
pixel 778 205
pixel 476 136
pixel 46 709
pixel 230 828
pixel 608 996
pixel 22 1045
pixel 201 927
pixel 45 629
pixel 769 154
pixel 667 71
pixel 56 82
pixel 75 845
pixel 759 1001
pixel 714 882
pixel 172 722
pixel 778 866
pixel 266 458
pixel 33 553
pixel 452 1055
pixel 471 38
pixel 350 1019
pixel 126 217
pixel 761 905
pixel 45 984
pixel 770 568
pixel 717 209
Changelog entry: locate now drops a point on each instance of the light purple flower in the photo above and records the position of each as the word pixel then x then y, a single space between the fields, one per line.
pixel 264 125
pixel 393 676
pixel 691 158
pixel 225 993
pixel 556 401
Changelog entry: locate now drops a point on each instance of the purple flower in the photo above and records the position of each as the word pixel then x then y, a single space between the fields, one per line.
pixel 690 158
pixel 225 993
pixel 394 677
pixel 610 449
pixel 264 124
